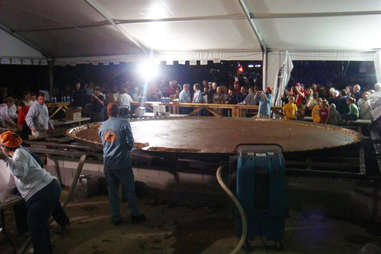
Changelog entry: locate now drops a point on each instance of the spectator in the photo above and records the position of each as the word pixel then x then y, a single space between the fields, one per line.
pixel 78 97
pixel 290 109
pixel 204 95
pixel 97 103
pixel 197 97
pixel 185 96
pixel 171 90
pixel 312 100
pixel 316 111
pixel 204 85
pixel 324 112
pixel 236 88
pixel 231 99
pixel 353 112
pixel 364 106
pixel 116 92
pixel 211 92
pixel 124 102
pixel 109 99
pixel 334 115
pixel 348 90
pixel 219 97
pixel 356 92
pixel 299 94
pixel 8 114
pixel 37 117
pixel 135 94
pixel 241 95
pixel 33 99
pixel 250 98
pixel 264 99
pixel 315 88
pixel 377 87
pixel 27 99
pixel 341 103
pixel 300 99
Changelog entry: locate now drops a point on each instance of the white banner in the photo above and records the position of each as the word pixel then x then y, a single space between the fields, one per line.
pixel 377 65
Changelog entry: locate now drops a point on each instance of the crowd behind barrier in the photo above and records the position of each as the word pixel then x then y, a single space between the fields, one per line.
pixel 321 104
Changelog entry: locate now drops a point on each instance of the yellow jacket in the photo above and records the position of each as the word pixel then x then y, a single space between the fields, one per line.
pixel 316 114
pixel 290 111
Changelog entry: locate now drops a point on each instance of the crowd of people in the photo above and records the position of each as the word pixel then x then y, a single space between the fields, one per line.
pixel 325 104
pixel 28 115
pixel 328 104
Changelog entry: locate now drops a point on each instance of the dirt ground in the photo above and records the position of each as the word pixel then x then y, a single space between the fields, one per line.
pixel 194 228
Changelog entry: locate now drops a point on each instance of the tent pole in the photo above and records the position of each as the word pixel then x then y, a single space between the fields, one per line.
pixel 264 70
pixel 51 76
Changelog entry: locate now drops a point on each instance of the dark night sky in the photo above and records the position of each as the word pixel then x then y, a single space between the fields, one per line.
pixel 20 78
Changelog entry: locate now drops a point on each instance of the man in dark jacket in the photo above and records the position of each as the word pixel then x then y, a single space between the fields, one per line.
pixel 79 97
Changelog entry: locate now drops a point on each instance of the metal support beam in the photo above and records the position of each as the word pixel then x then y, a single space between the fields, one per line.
pixel 255 29
pixel 237 16
pixel 51 76
pixel 252 24
pixel 102 12
pixel 313 14
pixel 21 38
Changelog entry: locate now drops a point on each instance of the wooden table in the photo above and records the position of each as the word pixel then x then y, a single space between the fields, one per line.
pixel 79 121
pixel 7 204
pixel 57 107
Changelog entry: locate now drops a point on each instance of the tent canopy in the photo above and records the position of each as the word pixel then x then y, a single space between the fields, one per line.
pixel 75 31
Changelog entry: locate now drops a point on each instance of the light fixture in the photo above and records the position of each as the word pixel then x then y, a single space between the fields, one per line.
pixel 148 70
pixel 258 66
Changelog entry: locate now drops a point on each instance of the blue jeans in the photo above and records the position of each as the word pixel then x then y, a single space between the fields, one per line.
pixel 40 207
pixel 124 176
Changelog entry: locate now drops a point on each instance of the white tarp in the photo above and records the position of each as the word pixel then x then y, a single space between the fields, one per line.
pixel 279 74
pixel 377 65
pixel 14 51
pixel 77 31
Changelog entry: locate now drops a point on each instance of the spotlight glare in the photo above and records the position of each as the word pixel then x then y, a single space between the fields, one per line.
pixel 250 66
pixel 148 70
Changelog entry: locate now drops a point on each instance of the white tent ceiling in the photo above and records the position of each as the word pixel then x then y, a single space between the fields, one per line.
pixel 318 25
pixel 74 31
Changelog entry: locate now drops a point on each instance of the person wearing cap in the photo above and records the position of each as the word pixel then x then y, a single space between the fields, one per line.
pixel 37 117
pixel 39 189
pixel 117 140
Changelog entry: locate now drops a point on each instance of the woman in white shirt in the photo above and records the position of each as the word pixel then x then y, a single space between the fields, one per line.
pixel 39 189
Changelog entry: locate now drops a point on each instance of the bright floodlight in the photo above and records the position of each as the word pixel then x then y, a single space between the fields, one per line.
pixel 148 70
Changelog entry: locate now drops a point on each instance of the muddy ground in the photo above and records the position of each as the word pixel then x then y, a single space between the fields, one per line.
pixel 191 228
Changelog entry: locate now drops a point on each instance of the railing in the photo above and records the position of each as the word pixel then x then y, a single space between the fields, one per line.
pixel 234 110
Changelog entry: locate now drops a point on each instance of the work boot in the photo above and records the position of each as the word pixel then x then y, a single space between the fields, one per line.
pixel 138 219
